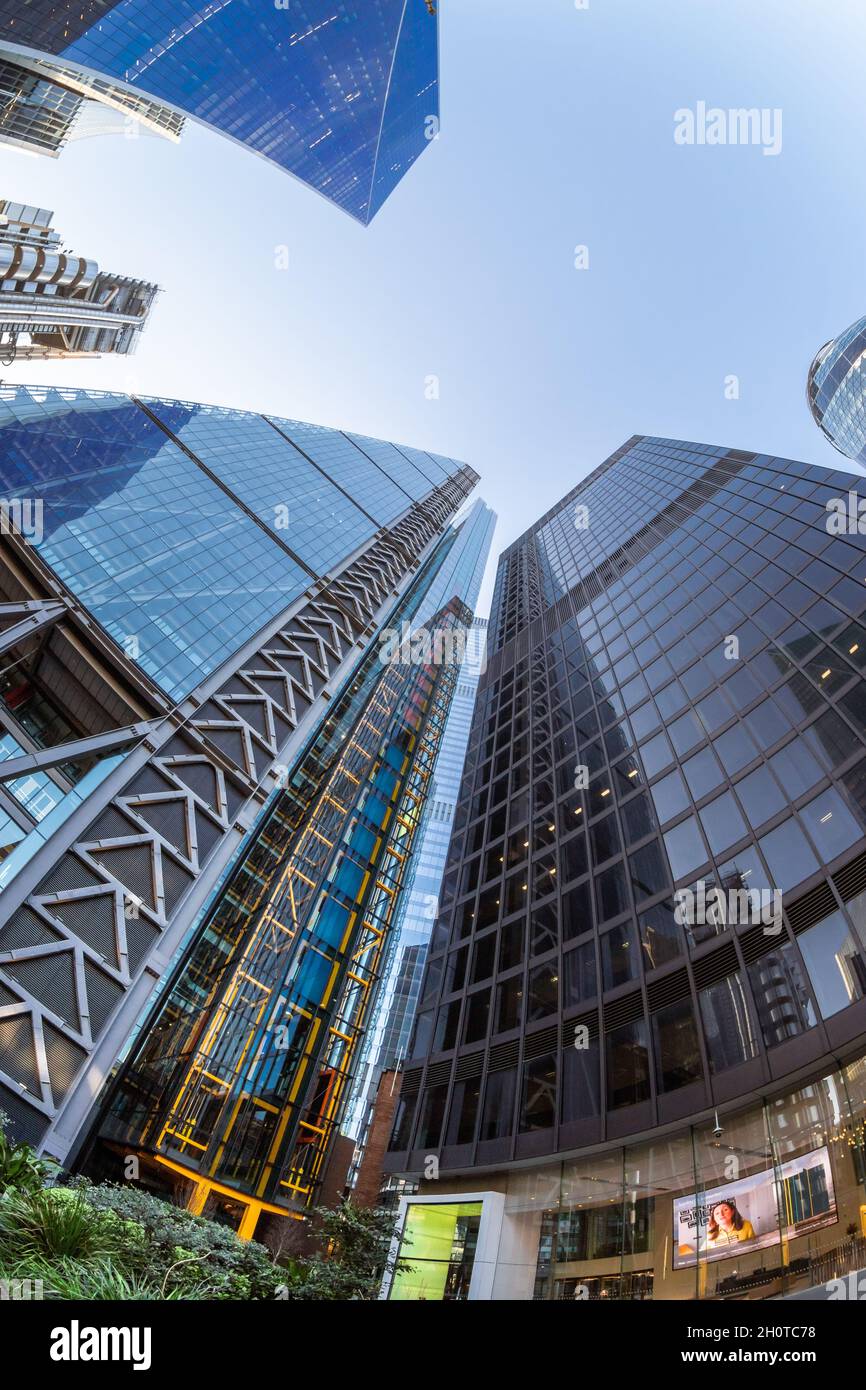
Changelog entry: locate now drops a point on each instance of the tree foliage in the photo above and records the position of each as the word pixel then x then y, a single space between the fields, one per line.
pixel 351 1267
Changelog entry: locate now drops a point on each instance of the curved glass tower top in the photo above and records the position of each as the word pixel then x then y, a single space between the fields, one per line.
pixel 189 526
pixel 836 391
pixel 343 95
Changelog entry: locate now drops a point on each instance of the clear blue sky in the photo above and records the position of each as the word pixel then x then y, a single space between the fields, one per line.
pixel 557 130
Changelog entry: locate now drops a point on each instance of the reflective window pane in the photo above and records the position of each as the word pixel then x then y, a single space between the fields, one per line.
pixel 835 962
pixel 781 996
pixel 728 1030
pixel 788 855
pixel 628 1075
pixel 677 1052
pixel 830 824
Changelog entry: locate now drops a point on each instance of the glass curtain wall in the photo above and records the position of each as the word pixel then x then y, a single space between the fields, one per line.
pixel 758 1205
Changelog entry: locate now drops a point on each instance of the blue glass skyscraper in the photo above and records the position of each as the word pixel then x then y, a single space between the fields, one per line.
pixel 239 1080
pixel 190 599
pixel 343 95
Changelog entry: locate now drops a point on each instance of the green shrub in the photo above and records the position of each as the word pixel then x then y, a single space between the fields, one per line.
pixel 357 1241
pixel 55 1222
pixel 113 1241
pixel 182 1251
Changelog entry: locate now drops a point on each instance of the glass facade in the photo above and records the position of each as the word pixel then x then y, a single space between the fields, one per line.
pixel 184 528
pixel 344 96
pixel 388 1037
pixel 655 870
pixel 44 105
pixel 241 1076
pixel 189 596
pixel 769 1203
pixel 35 114
pixel 443 1240
pixel 836 391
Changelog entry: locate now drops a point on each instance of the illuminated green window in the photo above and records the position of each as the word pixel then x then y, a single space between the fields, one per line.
pixel 437 1251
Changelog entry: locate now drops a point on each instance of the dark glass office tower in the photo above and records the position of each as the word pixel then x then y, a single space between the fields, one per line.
pixel 644 1013
pixel 190 598
pixel 343 95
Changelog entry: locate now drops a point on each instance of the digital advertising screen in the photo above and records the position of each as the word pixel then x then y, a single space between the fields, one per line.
pixel 745 1215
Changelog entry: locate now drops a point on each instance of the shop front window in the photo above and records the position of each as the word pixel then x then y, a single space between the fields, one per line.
pixel 821 1196
pixel 727 1228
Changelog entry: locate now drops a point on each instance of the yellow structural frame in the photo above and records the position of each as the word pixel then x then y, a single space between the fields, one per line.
pixel 393 841
pixel 203 1187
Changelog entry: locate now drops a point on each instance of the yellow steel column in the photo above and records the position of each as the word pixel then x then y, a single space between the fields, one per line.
pixel 198 1198
pixel 249 1220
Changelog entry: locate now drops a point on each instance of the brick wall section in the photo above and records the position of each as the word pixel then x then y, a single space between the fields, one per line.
pixel 370 1174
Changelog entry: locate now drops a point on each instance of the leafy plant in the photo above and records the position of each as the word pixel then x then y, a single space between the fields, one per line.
pixel 20 1167
pixel 96 1280
pixel 116 1241
pixel 55 1222
pixel 358 1242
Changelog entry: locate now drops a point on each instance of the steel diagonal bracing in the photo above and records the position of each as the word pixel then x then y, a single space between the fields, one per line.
pixel 82 924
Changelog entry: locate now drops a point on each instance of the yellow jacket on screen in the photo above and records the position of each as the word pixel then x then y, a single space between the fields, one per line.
pixel 722 1237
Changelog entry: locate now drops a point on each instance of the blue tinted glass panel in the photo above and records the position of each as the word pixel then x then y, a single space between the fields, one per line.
pixel 373 490
pixel 397 465
pixel 412 104
pixel 431 465
pixel 170 566
pixel 337 94
pixel 292 497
